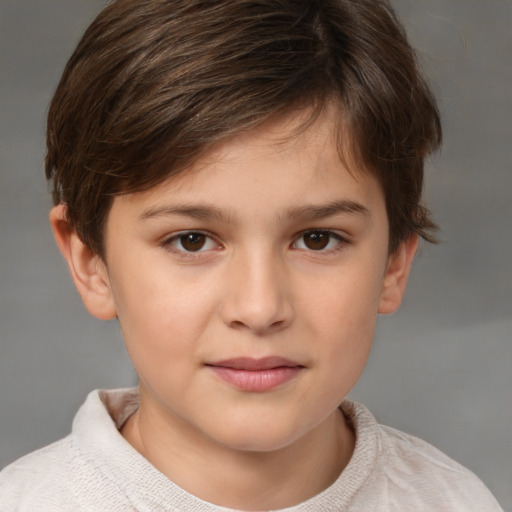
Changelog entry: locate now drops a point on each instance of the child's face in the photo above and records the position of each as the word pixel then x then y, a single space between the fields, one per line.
pixel 269 254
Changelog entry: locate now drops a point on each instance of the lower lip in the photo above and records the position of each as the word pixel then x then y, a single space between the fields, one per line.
pixel 257 380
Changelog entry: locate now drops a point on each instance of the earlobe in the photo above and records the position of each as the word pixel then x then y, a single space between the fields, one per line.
pixel 87 269
pixel 397 274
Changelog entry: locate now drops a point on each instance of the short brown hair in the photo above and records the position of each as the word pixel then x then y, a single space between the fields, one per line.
pixel 155 83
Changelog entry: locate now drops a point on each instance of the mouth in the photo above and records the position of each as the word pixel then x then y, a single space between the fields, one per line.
pixel 256 375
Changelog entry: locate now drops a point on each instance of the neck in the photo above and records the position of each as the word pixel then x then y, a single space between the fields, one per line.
pixel 244 480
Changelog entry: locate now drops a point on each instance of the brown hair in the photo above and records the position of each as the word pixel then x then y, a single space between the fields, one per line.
pixel 155 83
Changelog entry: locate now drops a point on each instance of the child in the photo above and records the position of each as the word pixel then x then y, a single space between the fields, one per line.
pixel 239 183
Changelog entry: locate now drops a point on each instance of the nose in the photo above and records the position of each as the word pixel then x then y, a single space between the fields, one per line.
pixel 257 295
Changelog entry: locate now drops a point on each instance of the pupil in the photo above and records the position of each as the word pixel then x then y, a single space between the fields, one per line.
pixel 193 241
pixel 316 241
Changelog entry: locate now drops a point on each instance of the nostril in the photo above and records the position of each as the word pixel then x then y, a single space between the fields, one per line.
pixel 237 324
pixel 277 325
pixel 259 309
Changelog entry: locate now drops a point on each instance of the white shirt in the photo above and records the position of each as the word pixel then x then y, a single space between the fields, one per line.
pixel 96 469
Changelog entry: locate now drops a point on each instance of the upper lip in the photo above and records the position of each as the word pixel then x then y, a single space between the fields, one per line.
pixel 248 363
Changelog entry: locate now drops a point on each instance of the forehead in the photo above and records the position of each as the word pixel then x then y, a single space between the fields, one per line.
pixel 288 159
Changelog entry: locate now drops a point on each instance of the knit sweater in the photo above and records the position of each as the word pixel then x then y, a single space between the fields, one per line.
pixel 96 469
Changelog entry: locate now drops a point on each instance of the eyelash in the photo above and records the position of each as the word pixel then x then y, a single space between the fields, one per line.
pixel 342 242
pixel 168 243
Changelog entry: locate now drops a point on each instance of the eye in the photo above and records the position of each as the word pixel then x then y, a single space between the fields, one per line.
pixel 318 240
pixel 191 241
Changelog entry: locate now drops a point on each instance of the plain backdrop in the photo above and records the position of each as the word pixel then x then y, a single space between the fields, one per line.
pixel 441 366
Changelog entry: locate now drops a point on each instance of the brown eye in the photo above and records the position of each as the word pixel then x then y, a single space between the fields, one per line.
pixel 316 240
pixel 192 242
pixel 320 240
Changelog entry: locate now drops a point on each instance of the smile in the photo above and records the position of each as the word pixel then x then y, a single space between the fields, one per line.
pixel 256 375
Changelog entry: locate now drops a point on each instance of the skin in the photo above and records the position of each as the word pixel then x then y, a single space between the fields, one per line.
pixel 261 285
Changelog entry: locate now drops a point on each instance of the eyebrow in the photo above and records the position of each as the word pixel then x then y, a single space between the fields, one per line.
pixel 309 212
pixel 322 211
pixel 193 211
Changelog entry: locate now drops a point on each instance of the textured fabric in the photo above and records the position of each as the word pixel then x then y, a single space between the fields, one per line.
pixel 95 469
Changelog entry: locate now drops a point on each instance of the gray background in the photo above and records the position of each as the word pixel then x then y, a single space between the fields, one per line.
pixel 441 367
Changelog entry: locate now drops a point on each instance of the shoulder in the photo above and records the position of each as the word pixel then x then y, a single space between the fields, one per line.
pixel 403 472
pixel 39 480
pixel 430 476
pixel 79 472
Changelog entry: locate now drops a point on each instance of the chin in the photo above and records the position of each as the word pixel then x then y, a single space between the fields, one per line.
pixel 261 444
pixel 257 437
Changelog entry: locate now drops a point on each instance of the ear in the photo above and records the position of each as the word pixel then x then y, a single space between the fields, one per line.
pixel 87 269
pixel 397 274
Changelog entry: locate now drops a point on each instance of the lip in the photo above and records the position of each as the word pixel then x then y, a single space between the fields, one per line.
pixel 256 375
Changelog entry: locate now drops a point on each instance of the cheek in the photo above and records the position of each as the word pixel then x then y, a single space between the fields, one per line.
pixel 342 320
pixel 162 313
pixel 347 302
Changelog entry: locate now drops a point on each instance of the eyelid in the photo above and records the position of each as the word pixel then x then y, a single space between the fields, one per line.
pixel 343 240
pixel 167 242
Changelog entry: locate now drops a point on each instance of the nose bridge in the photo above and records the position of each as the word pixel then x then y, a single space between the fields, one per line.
pixel 258 293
